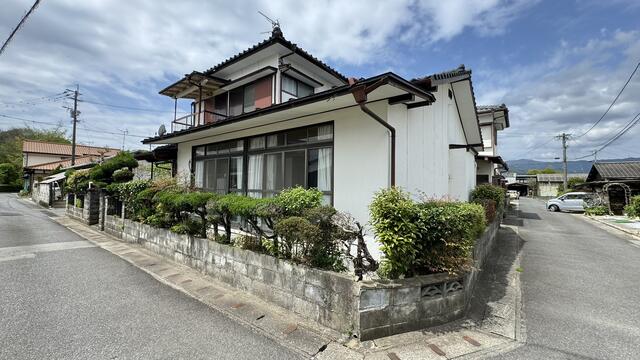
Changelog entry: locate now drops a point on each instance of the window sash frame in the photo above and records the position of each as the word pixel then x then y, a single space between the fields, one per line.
pixel 246 152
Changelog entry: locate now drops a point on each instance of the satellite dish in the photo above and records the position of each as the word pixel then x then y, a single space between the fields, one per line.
pixel 162 130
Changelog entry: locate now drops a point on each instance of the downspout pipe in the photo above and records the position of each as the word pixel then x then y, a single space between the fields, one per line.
pixel 360 95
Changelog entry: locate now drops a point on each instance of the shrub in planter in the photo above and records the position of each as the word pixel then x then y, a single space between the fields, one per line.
pixel 294 201
pixel 448 231
pixel 394 217
pixel 633 209
pixel 598 210
pixel 489 209
pixel 179 205
pixel 491 192
pixel 129 192
pixel 423 238
pixel 188 226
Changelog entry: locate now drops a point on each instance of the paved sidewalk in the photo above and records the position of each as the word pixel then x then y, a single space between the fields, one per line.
pixel 490 331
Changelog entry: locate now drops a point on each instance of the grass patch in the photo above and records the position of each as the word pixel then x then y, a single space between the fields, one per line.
pixel 519 269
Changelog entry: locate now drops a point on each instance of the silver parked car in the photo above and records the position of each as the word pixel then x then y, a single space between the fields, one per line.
pixel 573 201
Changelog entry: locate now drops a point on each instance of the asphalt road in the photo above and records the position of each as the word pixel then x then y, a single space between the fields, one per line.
pixel 581 289
pixel 62 298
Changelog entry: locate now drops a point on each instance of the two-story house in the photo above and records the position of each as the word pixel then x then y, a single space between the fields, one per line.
pixel 493 118
pixel 274 117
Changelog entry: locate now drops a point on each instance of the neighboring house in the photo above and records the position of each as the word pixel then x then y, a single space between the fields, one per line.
pixel 616 182
pixel 548 184
pixel 40 158
pixel 493 118
pixel 274 117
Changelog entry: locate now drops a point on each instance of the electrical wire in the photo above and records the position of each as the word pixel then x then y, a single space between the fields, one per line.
pixel 66 126
pixel 127 107
pixel 612 103
pixel 24 18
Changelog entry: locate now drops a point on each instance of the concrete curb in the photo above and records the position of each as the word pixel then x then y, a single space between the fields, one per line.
pixel 288 330
pixel 455 340
pixel 635 235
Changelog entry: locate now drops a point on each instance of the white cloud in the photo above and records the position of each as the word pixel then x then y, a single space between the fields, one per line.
pixel 568 93
pixel 125 51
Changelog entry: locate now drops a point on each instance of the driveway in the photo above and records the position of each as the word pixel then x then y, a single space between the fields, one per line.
pixel 580 287
pixel 63 298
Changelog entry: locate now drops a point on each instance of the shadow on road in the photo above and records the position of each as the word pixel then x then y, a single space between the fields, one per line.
pixel 495 295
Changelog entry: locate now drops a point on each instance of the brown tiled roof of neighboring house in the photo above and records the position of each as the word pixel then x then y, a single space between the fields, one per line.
pixel 63 164
pixel 43 147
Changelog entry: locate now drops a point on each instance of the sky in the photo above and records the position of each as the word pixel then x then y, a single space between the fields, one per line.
pixel 557 65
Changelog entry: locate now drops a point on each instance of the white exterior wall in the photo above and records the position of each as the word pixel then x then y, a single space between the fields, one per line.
pixel 37 159
pixel 487 140
pixel 361 155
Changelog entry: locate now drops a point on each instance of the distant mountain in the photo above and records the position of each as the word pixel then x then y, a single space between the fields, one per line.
pixel 521 166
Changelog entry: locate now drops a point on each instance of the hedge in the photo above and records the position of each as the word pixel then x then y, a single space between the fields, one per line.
pixel 424 237
pixel 633 209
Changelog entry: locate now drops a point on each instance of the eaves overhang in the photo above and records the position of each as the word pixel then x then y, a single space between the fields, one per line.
pixel 386 79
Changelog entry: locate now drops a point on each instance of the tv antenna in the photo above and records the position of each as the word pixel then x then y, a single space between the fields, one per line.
pixel 274 23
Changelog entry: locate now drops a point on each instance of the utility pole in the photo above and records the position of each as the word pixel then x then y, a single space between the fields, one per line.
pixel 74 115
pixel 564 137
pixel 124 137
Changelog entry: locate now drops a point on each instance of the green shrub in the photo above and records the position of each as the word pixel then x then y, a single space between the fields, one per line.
pixel 122 175
pixel 188 226
pixel 294 201
pixel 448 233
pixel 179 204
pixel 423 238
pixel 248 242
pixel 489 207
pixel 598 210
pixel 633 209
pixel 491 192
pixel 298 236
pixel 394 217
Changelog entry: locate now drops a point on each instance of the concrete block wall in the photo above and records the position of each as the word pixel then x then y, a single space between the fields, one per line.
pixel 370 309
pixel 89 214
pixel 393 307
pixel 328 298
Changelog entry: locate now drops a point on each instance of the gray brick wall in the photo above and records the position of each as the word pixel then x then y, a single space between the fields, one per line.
pixel 371 309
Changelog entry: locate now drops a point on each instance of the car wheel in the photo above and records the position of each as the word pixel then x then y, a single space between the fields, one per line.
pixel 554 208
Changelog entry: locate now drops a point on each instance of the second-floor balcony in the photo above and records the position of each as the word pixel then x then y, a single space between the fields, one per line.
pixel 196 119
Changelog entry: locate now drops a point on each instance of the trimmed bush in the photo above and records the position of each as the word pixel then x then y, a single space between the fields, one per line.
pixel 490 192
pixel 122 175
pixel 394 217
pixel 489 209
pixel 598 210
pixel 427 237
pixel 633 209
pixel 294 201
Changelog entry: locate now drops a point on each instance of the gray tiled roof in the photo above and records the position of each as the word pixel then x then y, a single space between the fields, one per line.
pixel 558 177
pixel 487 108
pixel 459 71
pixel 619 170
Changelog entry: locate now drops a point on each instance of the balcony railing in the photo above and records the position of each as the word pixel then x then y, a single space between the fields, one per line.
pixel 196 119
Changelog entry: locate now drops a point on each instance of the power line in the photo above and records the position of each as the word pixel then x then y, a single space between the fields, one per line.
pixel 626 128
pixel 24 18
pixel 127 107
pixel 66 126
pixel 612 103
pixel 534 146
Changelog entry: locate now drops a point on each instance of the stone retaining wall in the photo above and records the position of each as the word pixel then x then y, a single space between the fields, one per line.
pixel 326 297
pixel 369 309
pixel 393 307
pixel 89 214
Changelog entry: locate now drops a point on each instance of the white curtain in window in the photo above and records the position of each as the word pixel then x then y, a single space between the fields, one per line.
pixel 199 174
pixel 254 175
pixel 324 169
pixel 325 132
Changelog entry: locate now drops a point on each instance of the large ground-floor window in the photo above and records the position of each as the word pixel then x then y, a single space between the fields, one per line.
pixel 262 166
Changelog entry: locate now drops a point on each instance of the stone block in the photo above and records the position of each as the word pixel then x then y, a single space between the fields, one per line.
pixel 269 262
pixel 375 333
pixel 305 308
pixel 407 295
pixel 431 306
pixel 268 277
pixel 374 298
pixel 403 313
pixel 254 272
pixel 315 294
pixel 316 277
pixel 375 318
